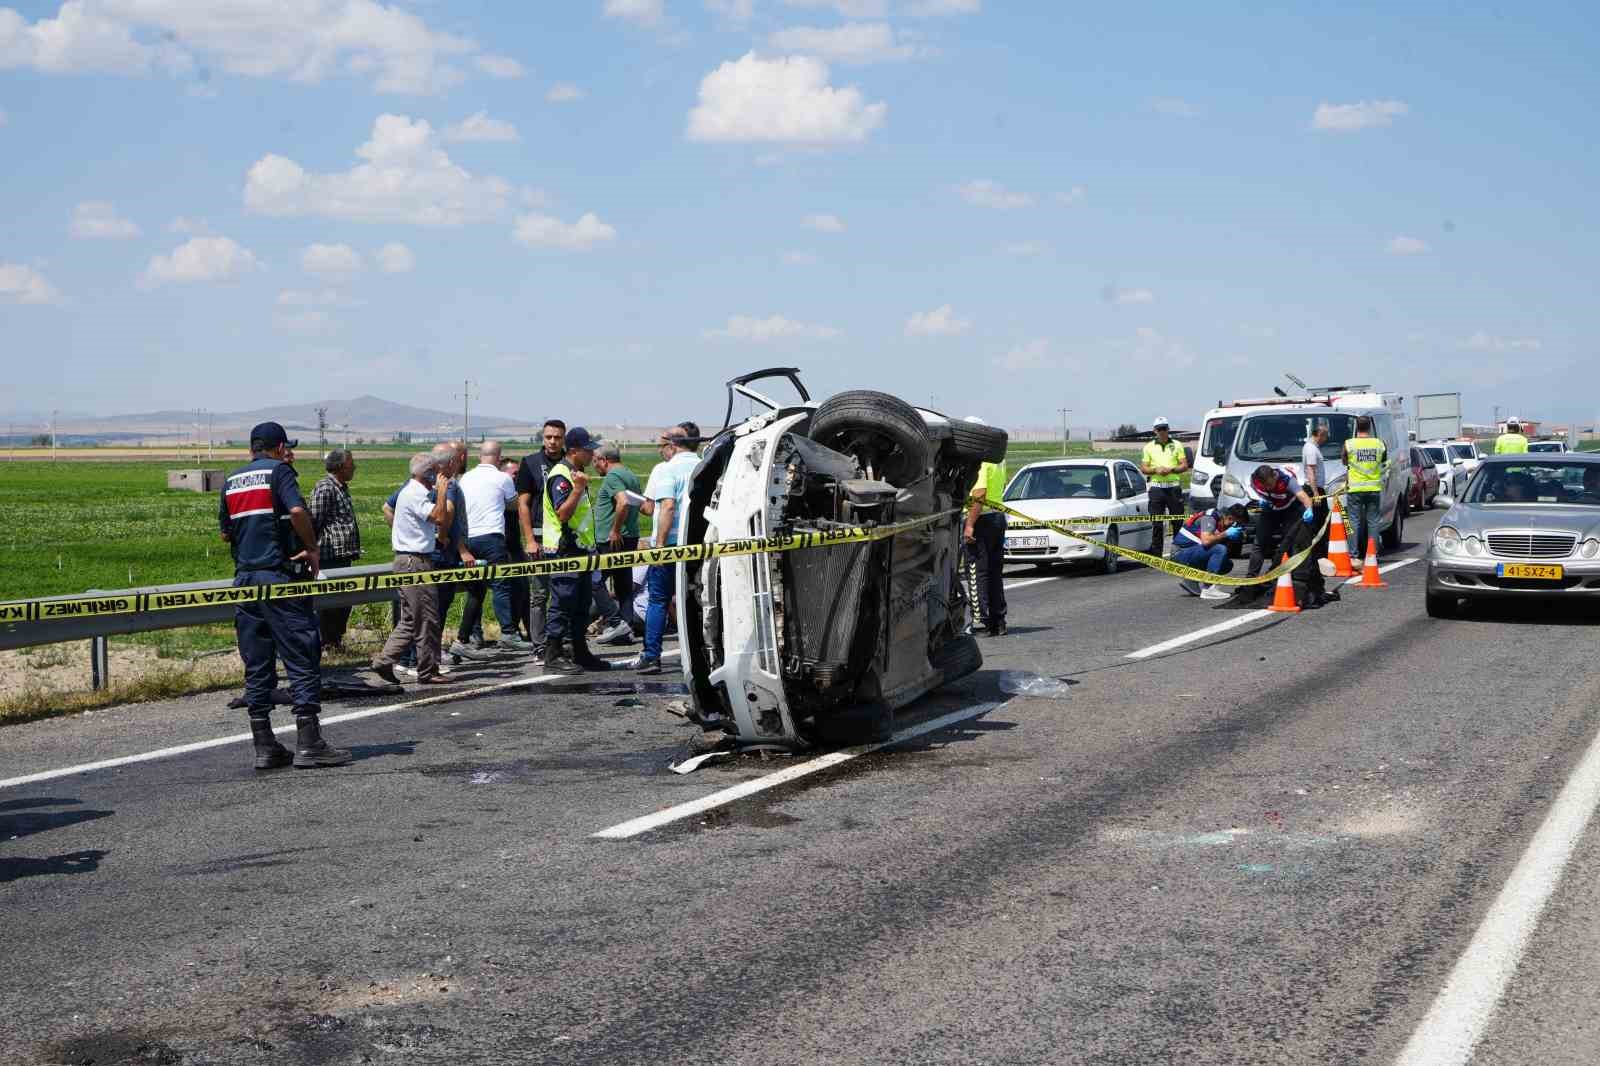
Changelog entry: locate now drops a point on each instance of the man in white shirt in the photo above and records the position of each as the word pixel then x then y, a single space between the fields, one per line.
pixel 1311 459
pixel 418 511
pixel 489 493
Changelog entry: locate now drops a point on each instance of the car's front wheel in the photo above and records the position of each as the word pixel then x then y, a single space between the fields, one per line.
pixel 1441 606
pixel 1393 536
pixel 1109 561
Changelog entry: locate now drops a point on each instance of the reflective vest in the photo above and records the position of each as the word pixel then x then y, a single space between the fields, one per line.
pixel 1192 528
pixel 1510 443
pixel 581 525
pixel 992 480
pixel 1170 454
pixel 1364 460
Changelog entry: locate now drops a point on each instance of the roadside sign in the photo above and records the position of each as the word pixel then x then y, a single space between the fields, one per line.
pixel 1439 415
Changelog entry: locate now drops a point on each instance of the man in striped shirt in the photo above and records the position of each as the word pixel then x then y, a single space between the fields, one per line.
pixel 338 534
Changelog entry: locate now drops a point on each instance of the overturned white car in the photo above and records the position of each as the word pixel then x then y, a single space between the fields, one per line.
pixel 824 644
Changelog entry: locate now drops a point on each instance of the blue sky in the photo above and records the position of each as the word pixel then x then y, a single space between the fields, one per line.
pixel 605 208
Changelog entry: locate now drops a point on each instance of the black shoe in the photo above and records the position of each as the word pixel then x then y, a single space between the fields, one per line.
pixel 270 755
pixel 1331 597
pixel 587 659
pixel 311 751
pixel 555 664
pixel 642 665
pixel 996 631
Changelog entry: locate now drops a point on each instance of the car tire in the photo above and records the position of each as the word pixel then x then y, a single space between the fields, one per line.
pixel 1110 561
pixel 1394 536
pixel 877 429
pixel 958 658
pixel 986 444
pixel 1441 606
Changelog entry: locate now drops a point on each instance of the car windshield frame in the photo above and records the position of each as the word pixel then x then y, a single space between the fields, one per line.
pixel 1544 483
pixel 1442 458
pixel 1341 427
pixel 1462 451
pixel 1053 483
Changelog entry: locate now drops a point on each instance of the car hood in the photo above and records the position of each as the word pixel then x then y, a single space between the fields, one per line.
pixel 1471 518
pixel 1046 510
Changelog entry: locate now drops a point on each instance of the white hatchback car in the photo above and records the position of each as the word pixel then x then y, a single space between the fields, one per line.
pixel 1076 488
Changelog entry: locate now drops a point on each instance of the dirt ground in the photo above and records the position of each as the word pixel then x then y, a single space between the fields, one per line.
pixel 63 669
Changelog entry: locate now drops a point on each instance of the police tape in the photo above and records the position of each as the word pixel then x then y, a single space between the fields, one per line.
pixel 1156 562
pixel 135 602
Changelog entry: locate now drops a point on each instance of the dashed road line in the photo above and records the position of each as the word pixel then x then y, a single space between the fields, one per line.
pixel 637 826
pixel 240 738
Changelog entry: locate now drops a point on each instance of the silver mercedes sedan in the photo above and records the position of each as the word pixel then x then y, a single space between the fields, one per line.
pixel 1528 525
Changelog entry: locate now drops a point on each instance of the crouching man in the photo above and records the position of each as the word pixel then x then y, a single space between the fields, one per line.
pixel 1202 543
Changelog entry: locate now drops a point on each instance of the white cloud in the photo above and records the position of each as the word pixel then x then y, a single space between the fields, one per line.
pixel 305 322
pixel 25 285
pixel 200 259
pixel 854 42
pixel 306 41
pixel 787 100
pixel 1072 196
pixel 480 127
pixel 939 8
pixel 1174 107
pixel 1026 249
pixel 1407 246
pixel 1034 355
pixel 1126 297
pixel 564 92
pixel 940 322
pixel 797 258
pixel 97 220
pixel 499 66
pixel 643 12
pixel 765 330
pixel 735 10
pixel 824 223
pixel 1488 342
pixel 308 298
pixel 546 231
pixel 395 258
pixel 406 177
pixel 195 227
pixel 850 9
pixel 982 192
pixel 1348 118
pixel 331 262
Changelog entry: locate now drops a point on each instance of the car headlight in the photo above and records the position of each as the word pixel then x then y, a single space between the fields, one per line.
pixel 1589 548
pixel 1231 487
pixel 1474 546
pixel 1197 477
pixel 1447 540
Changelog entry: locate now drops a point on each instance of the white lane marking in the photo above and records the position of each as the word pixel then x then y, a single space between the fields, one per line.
pixel 239 738
pixel 635 826
pixel 1029 581
pixel 1355 582
pixel 1466 1004
pixel 1199 634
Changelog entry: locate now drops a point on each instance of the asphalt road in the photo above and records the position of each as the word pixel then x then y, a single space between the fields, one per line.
pixel 1271 845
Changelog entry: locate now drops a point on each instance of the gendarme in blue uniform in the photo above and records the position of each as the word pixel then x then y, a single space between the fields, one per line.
pixel 254 515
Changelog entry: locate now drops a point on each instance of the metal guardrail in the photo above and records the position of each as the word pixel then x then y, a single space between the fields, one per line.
pixel 97 629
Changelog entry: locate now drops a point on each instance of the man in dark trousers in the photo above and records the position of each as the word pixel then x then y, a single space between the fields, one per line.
pixel 985 540
pixel 529 482
pixel 569 532
pixel 261 505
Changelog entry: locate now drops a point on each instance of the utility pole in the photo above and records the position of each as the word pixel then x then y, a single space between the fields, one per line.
pixel 211 435
pixel 1065 432
pixel 322 429
pixel 466 409
pixel 54 415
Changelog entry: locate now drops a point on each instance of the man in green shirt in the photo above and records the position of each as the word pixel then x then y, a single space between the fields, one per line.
pixel 1164 463
pixel 616 529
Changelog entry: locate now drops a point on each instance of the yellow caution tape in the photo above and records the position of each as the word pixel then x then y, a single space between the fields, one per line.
pixel 1156 562
pixel 134 602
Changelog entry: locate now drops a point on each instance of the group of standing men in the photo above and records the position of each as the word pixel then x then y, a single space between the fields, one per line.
pixel 545 507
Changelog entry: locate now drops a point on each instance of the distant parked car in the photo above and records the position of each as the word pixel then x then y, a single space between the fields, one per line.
pixel 1076 488
pixel 1453 475
pixel 1424 481
pixel 1547 446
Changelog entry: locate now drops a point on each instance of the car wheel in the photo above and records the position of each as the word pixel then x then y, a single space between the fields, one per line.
pixel 1109 561
pixel 986 444
pixel 958 658
pixel 1394 535
pixel 1441 606
pixel 881 432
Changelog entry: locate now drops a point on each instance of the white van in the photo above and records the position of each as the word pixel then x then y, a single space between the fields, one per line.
pixel 1211 454
pixel 1274 432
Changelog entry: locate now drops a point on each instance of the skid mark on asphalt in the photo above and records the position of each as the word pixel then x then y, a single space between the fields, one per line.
pixel 646 823
pixel 240 738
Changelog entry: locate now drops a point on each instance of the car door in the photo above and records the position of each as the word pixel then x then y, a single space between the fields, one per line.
pixel 1133 498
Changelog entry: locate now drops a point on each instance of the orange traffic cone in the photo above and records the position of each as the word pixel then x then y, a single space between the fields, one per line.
pixel 1283 596
pixel 1338 547
pixel 1370 578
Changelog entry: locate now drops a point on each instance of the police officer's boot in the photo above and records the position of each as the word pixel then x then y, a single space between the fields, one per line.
pixel 270 755
pixel 557 663
pixel 311 751
pixel 584 658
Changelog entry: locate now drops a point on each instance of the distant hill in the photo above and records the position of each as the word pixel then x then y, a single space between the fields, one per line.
pixel 368 416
